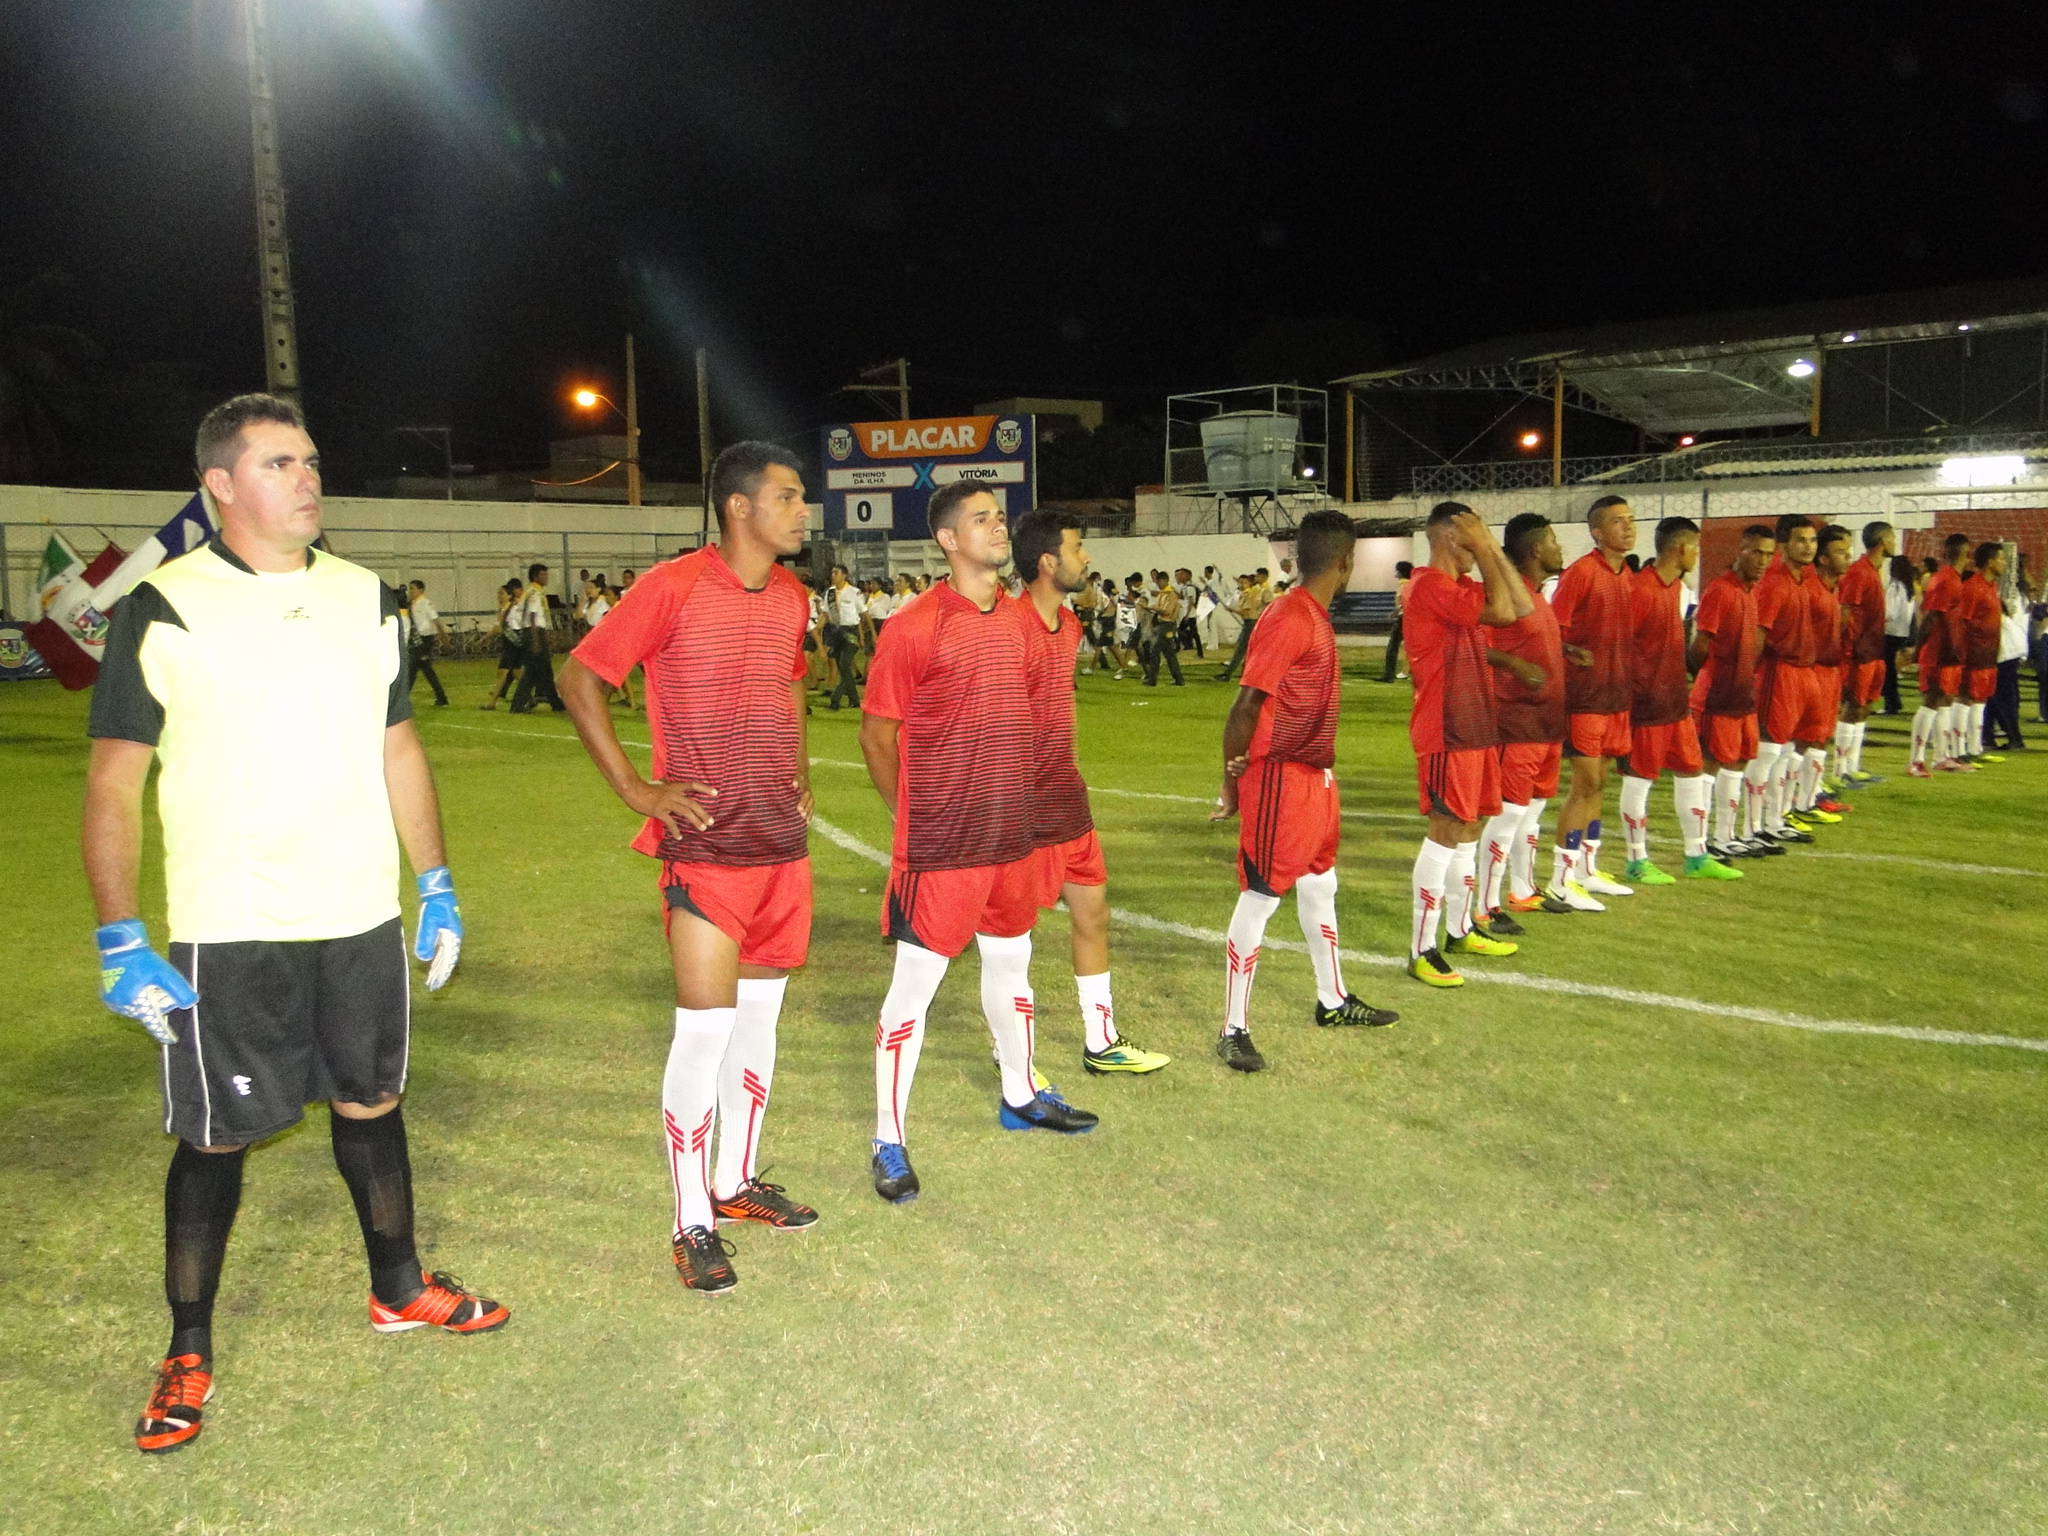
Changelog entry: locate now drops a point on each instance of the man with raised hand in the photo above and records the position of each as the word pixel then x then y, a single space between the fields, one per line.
pixel 1980 617
pixel 1861 594
pixel 1279 757
pixel 1726 644
pixel 1053 562
pixel 1592 603
pixel 1938 723
pixel 1528 705
pixel 1452 729
pixel 1831 560
pixel 947 735
pixel 1790 713
pixel 1662 732
pixel 269 680
pixel 719 637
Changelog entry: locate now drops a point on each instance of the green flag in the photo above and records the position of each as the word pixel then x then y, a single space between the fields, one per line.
pixel 61 567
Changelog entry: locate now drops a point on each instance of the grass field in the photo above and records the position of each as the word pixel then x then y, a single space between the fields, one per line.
pixel 1534 1260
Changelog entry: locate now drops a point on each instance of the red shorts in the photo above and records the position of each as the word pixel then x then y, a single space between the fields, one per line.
pixel 1597 735
pixel 1864 682
pixel 1979 683
pixel 1730 740
pixel 763 908
pixel 943 909
pixel 1528 770
pixel 1076 862
pixel 1653 748
pixel 1935 678
pixel 1796 703
pixel 1287 827
pixel 1464 784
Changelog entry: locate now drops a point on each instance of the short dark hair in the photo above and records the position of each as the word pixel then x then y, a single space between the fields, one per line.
pixel 1904 570
pixel 737 471
pixel 1444 511
pixel 1522 532
pixel 219 441
pixel 1759 531
pixel 1955 544
pixel 416 582
pixel 1593 512
pixel 1986 553
pixel 1323 539
pixel 1873 534
pixel 1834 533
pixel 514 582
pixel 1404 567
pixel 943 510
pixel 1671 529
pixel 842 568
pixel 1039 533
pixel 1791 523
pixel 534 570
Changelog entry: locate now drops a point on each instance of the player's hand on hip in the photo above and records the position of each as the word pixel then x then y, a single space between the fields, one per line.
pixel 682 805
pixel 138 983
pixel 1226 797
pixel 806 802
pixel 439 938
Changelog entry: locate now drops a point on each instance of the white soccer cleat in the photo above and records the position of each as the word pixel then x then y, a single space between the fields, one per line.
pixel 1600 885
pixel 1573 895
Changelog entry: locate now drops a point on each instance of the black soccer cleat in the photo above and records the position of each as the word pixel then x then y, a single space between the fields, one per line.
pixel 1235 1048
pixel 895 1180
pixel 1356 1010
pixel 703 1261
pixel 1501 926
pixel 1047 1112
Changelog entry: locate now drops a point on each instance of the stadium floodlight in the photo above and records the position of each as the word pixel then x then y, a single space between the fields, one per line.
pixel 1983 469
pixel 1531 439
pixel 1801 368
pixel 1308 471
pixel 1686 441
pixel 1964 326
pixel 1848 335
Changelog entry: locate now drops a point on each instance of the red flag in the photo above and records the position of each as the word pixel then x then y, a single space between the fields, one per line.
pixel 71 631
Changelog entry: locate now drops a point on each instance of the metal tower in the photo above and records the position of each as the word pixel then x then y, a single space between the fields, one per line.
pixel 280 323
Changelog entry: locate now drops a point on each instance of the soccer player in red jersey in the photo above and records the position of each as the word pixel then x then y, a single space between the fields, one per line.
pixel 1451 726
pixel 1593 616
pixel 1053 562
pixel 1528 707
pixel 1938 723
pixel 1726 643
pixel 1279 749
pixel 947 735
pixel 1662 732
pixel 1979 615
pixel 1861 594
pixel 1791 714
pixel 1831 560
pixel 719 635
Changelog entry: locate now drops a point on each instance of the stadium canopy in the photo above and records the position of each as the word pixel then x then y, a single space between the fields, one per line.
pixel 1720 372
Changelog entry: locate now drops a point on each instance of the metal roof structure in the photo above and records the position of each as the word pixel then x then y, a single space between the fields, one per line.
pixel 1708 373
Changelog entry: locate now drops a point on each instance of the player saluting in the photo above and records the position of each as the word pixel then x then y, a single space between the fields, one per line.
pixel 1726 642
pixel 1938 725
pixel 947 737
pixel 1528 708
pixel 1053 563
pixel 269 678
pixel 1452 728
pixel 719 636
pixel 1279 749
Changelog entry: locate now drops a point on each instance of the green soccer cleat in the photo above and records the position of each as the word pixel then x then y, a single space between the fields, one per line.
pixel 1478 943
pixel 1704 866
pixel 1643 872
pixel 1433 970
pixel 1814 814
pixel 1355 1010
pixel 1122 1056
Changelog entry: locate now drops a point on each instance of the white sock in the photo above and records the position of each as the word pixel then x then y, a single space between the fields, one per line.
pixel 1589 851
pixel 1007 1003
pixel 1522 867
pixel 1098 1013
pixel 744 1078
pixel 899 1034
pixel 1728 794
pixel 1809 776
pixel 689 1103
pixel 1692 795
pixel 1777 799
pixel 1635 816
pixel 1973 742
pixel 1315 904
pixel 1497 847
pixel 1952 730
pixel 1845 734
pixel 1241 954
pixel 1756 784
pixel 1564 865
pixel 1426 885
pixel 1856 735
pixel 1459 891
pixel 1926 731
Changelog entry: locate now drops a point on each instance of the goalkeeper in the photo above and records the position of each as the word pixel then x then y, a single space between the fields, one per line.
pixel 268 679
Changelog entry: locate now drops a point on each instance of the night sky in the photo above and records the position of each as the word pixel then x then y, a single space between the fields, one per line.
pixel 1108 200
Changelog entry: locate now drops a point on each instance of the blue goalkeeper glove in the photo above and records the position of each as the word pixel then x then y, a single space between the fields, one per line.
pixel 439 940
pixel 138 983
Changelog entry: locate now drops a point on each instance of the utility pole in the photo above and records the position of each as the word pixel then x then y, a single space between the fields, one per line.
pixel 1557 426
pixel 632 428
pixel 882 381
pixel 280 321
pixel 903 389
pixel 704 444
pixel 446 436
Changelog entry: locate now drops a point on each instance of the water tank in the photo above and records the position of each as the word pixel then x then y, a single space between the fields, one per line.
pixel 1250 450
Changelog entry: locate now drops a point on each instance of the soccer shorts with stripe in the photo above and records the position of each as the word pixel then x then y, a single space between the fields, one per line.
pixel 1288 825
pixel 943 909
pixel 1463 784
pixel 1936 678
pixel 1529 770
pixel 1796 703
pixel 1865 682
pixel 1979 684
pixel 1597 735
pixel 1730 740
pixel 1075 862
pixel 1654 748
pixel 763 908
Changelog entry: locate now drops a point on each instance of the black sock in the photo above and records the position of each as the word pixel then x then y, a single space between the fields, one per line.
pixel 372 1158
pixel 201 1193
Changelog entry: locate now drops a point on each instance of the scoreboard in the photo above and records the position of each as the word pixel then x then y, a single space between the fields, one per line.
pixel 879 475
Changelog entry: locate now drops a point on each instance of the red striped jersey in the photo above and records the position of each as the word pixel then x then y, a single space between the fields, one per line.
pixel 1593 612
pixel 1523 714
pixel 1453 708
pixel 1657 679
pixel 1727 615
pixel 1861 594
pixel 954 676
pixel 719 660
pixel 1979 615
pixel 1784 613
pixel 1824 613
pixel 1059 800
pixel 1938 599
pixel 1292 659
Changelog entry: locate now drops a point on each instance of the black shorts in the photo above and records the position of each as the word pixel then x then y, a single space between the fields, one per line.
pixel 279 1025
pixel 511 654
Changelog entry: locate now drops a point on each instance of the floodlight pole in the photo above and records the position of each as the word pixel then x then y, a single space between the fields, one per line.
pixel 1556 427
pixel 1813 410
pixel 280 318
pixel 704 445
pixel 632 428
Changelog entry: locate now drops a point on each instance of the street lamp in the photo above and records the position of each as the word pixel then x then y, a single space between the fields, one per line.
pixel 589 399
